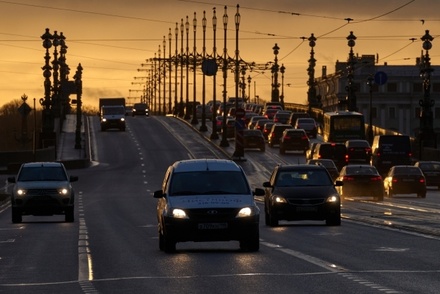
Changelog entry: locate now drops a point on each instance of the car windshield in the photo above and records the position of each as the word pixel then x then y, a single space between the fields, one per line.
pixel 294 178
pixel 208 183
pixel 42 174
pixel 363 170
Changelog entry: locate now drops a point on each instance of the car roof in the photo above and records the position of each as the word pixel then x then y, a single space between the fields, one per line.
pixel 42 164
pixel 300 166
pixel 207 164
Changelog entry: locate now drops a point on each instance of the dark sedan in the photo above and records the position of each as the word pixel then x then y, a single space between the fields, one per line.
pixel 360 180
pixel 329 165
pixel 301 192
pixel 294 140
pixel 253 139
pixel 431 171
pixel 405 179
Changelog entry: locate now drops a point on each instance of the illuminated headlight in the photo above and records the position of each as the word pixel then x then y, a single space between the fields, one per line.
pixel 21 192
pixel 246 211
pixel 178 213
pixel 122 119
pixel 279 199
pixel 333 199
pixel 104 119
pixel 63 191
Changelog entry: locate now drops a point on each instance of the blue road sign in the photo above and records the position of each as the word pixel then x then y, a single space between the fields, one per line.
pixel 380 78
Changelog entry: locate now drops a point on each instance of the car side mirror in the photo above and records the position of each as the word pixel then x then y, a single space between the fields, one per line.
pixel 339 183
pixel 267 185
pixel 158 194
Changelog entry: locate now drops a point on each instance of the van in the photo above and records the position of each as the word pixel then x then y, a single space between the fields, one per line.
pixel 334 151
pixel 390 150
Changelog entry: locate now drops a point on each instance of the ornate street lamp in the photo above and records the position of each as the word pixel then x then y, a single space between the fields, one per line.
pixel 275 90
pixel 214 134
pixel 194 120
pixel 427 135
pixel 56 83
pixel 243 82
pixel 370 83
pixel 181 106
pixel 78 86
pixel 176 62
pixel 158 73
pixel 311 93
pixel 47 115
pixel 249 80
pixel 224 142
pixel 170 71
pixel 282 70
pixel 187 115
pixel 351 88
pixel 164 65
pixel 203 127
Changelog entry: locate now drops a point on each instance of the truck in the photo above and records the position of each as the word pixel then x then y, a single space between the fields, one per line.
pixel 112 113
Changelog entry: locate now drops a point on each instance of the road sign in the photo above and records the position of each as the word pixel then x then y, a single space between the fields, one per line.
pixel 380 78
pixel 240 112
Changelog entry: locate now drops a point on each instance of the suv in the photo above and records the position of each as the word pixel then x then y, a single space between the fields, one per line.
pixel 276 132
pixel 308 124
pixel 207 200
pixel 295 140
pixel 301 192
pixel 42 188
pixel 390 150
pixel 140 109
pixel 334 151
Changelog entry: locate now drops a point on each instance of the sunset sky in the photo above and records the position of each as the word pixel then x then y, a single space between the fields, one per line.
pixel 112 39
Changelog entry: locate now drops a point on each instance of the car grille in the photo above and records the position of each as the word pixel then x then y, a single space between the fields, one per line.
pixel 299 201
pixel 42 192
pixel 216 214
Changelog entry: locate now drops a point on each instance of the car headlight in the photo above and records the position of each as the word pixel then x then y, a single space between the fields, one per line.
pixel 104 119
pixel 63 191
pixel 333 199
pixel 122 119
pixel 178 213
pixel 21 192
pixel 246 211
pixel 279 199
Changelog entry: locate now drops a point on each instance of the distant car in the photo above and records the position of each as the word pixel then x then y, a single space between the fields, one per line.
pixel 276 132
pixel 199 111
pixel 140 109
pixel 260 124
pixel 405 179
pixel 42 188
pixel 266 129
pixel 253 139
pixel 295 115
pixel 358 151
pixel 230 128
pixel 431 171
pixel 334 151
pixel 328 164
pixel 204 200
pixel 301 192
pixel 361 180
pixel 294 140
pixel 219 122
pixel 307 124
pixel 281 116
pixel 270 112
pixel 254 120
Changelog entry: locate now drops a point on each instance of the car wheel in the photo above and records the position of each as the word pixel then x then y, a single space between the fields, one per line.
pixel 251 243
pixel 169 245
pixel 69 216
pixel 16 216
pixel 273 220
pixel 266 218
pixel 333 220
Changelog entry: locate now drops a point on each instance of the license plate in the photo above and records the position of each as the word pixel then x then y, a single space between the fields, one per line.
pixel 408 180
pixel 213 226
pixel 306 209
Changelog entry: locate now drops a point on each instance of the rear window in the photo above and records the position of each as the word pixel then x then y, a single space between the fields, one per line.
pixel 407 170
pixel 395 145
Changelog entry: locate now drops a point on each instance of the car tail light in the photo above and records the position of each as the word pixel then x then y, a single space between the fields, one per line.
pixel 394 180
pixel 378 178
pixel 348 178
pixel 368 150
pixel 304 137
pixel 287 137
pixel 421 180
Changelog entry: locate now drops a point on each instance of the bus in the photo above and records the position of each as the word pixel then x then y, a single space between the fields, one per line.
pixel 341 126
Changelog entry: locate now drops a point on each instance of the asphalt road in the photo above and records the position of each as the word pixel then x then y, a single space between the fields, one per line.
pixel 112 247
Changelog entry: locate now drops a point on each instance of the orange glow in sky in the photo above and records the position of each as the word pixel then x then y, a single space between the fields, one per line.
pixel 112 39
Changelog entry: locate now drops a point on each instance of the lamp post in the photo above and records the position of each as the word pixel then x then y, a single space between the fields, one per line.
pixel 275 91
pixel 170 71
pixel 64 73
pixel 176 62
pixel 351 88
pixel 243 82
pixel 159 81
pixel 164 65
pixel 194 119
pixel 370 82
pixel 203 127
pixel 187 115
pixel 78 86
pixel 427 135
pixel 224 142
pixel 249 80
pixel 214 135
pixel 282 71
pixel 56 83
pixel 47 116
pixel 181 108
pixel 311 93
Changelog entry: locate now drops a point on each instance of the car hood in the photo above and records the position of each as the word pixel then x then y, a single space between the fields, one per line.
pixel 305 191
pixel 42 184
pixel 208 201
